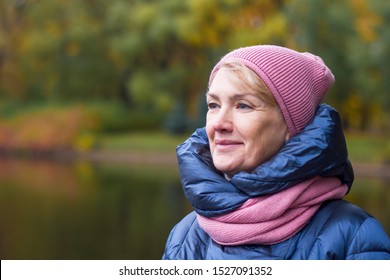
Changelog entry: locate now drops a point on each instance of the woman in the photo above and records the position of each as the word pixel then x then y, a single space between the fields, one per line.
pixel 267 175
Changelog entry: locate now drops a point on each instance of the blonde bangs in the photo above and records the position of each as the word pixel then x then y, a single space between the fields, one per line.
pixel 249 80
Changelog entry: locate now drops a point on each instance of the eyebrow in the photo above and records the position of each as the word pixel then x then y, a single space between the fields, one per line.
pixel 236 96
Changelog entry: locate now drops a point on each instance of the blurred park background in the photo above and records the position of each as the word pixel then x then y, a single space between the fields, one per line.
pixel 95 95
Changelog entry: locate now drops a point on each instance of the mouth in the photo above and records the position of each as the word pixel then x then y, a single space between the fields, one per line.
pixel 227 145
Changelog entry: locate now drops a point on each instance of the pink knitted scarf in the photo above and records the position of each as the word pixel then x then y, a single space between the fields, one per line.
pixel 273 218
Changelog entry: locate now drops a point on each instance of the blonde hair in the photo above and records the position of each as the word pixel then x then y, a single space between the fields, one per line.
pixel 249 80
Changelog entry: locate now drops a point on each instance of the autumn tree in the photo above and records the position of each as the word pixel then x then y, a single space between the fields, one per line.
pixel 350 36
pixel 151 56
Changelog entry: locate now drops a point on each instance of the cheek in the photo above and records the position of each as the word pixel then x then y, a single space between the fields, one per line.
pixel 272 138
pixel 266 138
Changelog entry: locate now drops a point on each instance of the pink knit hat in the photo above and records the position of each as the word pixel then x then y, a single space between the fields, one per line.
pixel 298 81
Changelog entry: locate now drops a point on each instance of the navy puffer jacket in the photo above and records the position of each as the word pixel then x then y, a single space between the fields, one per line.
pixel 339 229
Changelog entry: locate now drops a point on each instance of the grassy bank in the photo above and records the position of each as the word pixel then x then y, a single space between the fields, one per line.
pixel 158 142
pixel 368 148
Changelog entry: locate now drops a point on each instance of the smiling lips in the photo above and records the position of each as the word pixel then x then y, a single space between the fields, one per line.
pixel 225 145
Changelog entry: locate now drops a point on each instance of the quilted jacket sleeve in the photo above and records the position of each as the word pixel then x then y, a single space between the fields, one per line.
pixel 370 242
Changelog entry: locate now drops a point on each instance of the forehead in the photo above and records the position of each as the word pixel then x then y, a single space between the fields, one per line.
pixel 227 80
pixel 226 84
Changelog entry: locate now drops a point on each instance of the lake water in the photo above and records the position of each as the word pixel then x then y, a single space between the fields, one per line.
pixel 85 210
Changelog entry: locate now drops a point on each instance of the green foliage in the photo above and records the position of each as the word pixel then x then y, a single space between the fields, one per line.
pixel 145 64
pixel 351 37
pixel 114 117
pixel 145 54
pixel 177 121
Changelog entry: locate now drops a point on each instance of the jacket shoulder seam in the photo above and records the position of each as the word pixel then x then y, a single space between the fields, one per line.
pixel 354 237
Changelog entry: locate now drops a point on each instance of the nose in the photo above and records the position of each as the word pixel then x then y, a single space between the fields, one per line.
pixel 222 120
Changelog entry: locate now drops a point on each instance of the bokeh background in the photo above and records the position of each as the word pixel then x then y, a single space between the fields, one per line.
pixel 95 95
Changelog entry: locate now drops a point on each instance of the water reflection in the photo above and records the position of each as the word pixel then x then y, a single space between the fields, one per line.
pixel 81 210
pixel 86 211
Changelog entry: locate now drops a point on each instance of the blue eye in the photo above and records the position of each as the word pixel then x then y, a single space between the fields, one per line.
pixel 243 106
pixel 212 106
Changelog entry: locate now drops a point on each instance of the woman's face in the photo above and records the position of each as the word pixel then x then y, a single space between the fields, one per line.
pixel 243 131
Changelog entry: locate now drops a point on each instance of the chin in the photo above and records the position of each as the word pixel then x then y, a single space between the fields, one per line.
pixel 226 170
pixel 225 165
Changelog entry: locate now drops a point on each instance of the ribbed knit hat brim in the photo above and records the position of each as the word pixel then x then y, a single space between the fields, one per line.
pixel 298 81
